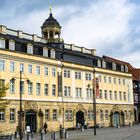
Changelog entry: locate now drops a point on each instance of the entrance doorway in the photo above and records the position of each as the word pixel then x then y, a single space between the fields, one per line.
pixel 80 117
pixel 31 120
pixel 116 119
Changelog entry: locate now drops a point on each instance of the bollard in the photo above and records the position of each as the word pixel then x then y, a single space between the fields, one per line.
pixel 42 136
pixel 12 137
pixel 51 135
pixel 32 134
pixel 28 136
pixel 54 136
pixel 61 133
pixel 82 129
pixel 66 135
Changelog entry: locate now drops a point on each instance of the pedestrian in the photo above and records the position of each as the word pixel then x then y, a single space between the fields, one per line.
pixel 85 124
pixel 45 127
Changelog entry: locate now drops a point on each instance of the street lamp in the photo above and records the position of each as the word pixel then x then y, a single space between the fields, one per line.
pixel 20 110
pixel 94 100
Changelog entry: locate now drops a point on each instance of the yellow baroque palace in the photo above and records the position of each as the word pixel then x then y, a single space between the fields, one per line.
pixel 57 82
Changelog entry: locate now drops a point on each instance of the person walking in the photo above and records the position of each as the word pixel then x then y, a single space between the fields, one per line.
pixel 45 127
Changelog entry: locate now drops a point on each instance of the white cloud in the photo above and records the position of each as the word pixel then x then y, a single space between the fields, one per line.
pixel 105 25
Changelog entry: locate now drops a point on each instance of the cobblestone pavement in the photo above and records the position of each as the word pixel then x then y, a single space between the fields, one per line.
pixel 124 133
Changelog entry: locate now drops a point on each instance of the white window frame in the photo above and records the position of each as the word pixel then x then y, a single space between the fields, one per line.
pixel 21 67
pixel 12 66
pixel 2 43
pixel 30 69
pixel 54 90
pixel 2 65
pixel 30 49
pixel 12 86
pixel 46 89
pixel 38 88
pixel 37 70
pixel 30 88
pixel 2 115
pixel 45 71
pixel 12 114
pixel 11 45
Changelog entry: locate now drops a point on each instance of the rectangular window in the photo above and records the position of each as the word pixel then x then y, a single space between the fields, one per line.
pixel 89 92
pixel 115 95
pixel 100 93
pixel 123 81
pixel 2 65
pixel 11 45
pixel 47 114
pixel 12 114
pixel 46 89
pixel 124 96
pixel 12 66
pixel 22 87
pixel 37 70
pixel 29 69
pixel 2 83
pixel 67 91
pixel 67 73
pixel 88 76
pixel 54 90
pixel 53 72
pixel 30 88
pixel 120 95
pixel 114 80
pixel 12 86
pixel 106 114
pixel 45 52
pixel 22 67
pixel 110 95
pixel 90 114
pixel 68 115
pixel 105 94
pixel 100 78
pixel 30 49
pixel 101 115
pixel 119 81
pixel 78 92
pixel 2 43
pixel 109 79
pixel 77 75
pixel 2 115
pixel 38 87
pixel 45 70
pixel 54 114
pixel 104 79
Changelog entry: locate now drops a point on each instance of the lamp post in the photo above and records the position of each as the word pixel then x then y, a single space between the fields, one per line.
pixel 20 108
pixel 94 107
pixel 20 114
pixel 94 100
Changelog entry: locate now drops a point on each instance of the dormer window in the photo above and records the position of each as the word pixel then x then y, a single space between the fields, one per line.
pixel 122 67
pixel 113 66
pixel 45 52
pixel 52 53
pixel 103 64
pixel 126 68
pixel 11 45
pixel 99 63
pixel 2 43
pixel 30 49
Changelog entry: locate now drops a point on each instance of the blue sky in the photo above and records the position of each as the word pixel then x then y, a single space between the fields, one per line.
pixel 112 27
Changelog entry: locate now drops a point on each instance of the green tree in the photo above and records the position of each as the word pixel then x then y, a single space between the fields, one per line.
pixel 3 89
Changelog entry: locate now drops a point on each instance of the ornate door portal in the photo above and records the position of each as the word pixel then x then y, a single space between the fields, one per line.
pixel 116 120
pixel 31 120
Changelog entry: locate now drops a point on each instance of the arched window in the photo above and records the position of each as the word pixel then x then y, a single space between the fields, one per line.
pixel 30 49
pixel 11 45
pixel 2 43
